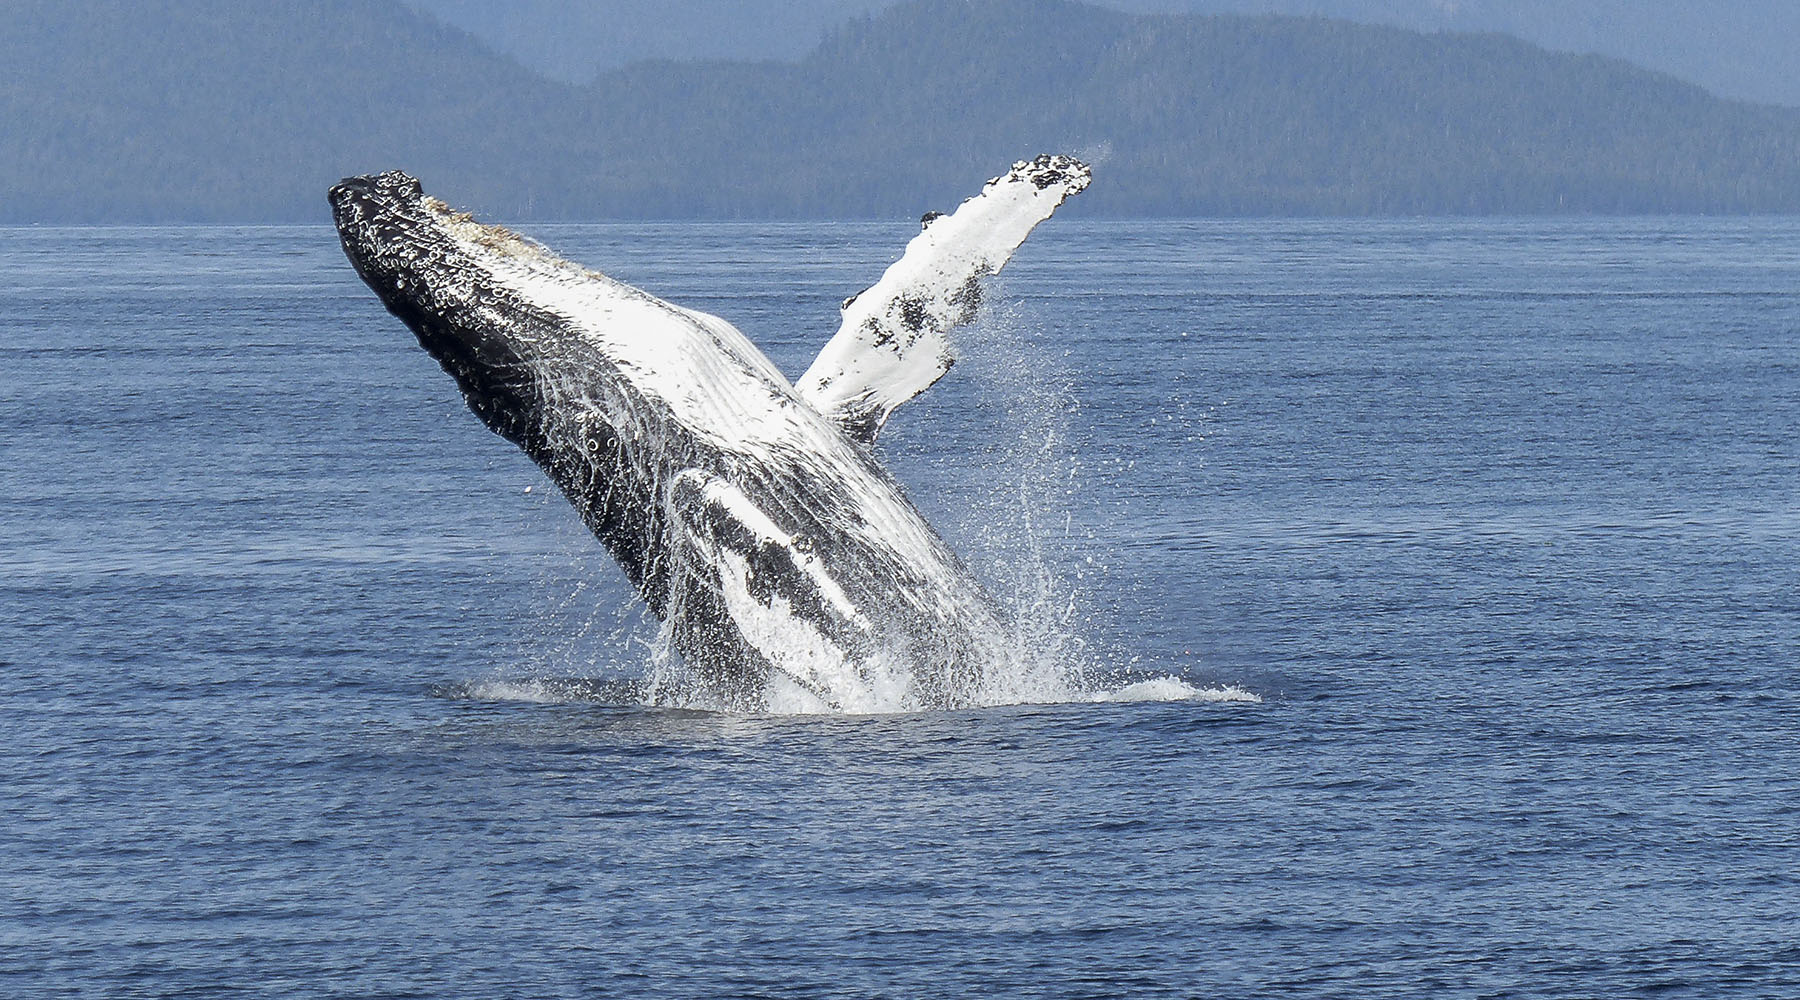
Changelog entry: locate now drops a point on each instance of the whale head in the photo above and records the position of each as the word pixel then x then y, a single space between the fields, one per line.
pixel 401 242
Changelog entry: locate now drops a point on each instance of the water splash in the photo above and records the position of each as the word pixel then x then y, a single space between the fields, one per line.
pixel 1013 515
pixel 797 701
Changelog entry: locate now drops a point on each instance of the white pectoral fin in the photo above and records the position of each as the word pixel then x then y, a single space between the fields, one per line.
pixel 894 341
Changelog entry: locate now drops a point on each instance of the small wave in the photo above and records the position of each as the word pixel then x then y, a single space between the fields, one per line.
pixel 547 691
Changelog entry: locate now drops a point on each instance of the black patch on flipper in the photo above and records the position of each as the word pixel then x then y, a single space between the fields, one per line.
pixel 913 314
pixel 878 334
pixel 968 299
pixel 1044 173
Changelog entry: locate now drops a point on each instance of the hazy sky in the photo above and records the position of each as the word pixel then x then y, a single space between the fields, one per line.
pixel 1740 48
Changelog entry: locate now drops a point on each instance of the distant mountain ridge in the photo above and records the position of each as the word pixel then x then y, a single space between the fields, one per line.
pixel 212 110
pixel 1742 49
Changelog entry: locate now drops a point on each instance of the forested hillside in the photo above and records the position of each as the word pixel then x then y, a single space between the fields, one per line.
pixel 220 110
pixel 1735 48
pixel 209 110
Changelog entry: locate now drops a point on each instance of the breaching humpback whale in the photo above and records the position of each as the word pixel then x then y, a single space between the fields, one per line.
pixel 750 513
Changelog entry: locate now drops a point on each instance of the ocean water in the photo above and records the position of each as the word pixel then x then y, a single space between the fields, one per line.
pixel 1441 576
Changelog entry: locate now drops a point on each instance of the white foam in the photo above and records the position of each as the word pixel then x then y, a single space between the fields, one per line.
pixel 1176 689
pixel 888 693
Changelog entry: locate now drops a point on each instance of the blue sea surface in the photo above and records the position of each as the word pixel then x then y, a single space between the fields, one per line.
pixel 303 693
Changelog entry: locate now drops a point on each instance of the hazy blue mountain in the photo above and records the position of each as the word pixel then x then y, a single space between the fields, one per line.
pixel 1737 48
pixel 1218 115
pixel 575 40
pixel 215 110
pixel 222 110
pixel 1747 49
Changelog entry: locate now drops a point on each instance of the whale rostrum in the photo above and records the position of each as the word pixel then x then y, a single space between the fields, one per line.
pixel 750 514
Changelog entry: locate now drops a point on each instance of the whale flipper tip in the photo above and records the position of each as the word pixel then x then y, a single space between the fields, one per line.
pixel 894 341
